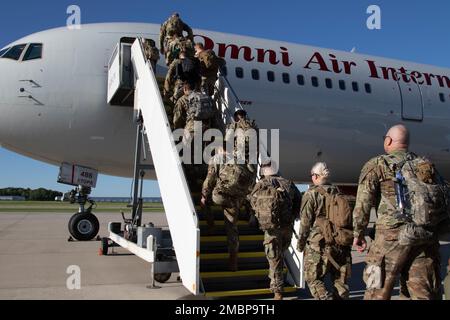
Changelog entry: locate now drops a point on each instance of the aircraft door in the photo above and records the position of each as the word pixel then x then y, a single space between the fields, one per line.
pixel 412 98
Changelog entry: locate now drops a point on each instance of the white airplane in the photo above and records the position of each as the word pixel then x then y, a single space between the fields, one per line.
pixel 329 105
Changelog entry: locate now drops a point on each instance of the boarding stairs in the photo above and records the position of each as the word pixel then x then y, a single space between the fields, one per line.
pixel 202 257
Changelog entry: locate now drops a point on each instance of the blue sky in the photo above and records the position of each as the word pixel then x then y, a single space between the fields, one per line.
pixel 414 31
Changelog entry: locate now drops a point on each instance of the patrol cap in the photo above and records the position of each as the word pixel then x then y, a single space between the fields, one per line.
pixel 241 112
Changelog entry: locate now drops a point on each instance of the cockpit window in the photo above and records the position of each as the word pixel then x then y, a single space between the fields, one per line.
pixel 34 52
pixel 2 52
pixel 15 52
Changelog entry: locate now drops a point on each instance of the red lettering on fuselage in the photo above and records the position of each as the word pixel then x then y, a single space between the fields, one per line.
pixel 335 64
pixel 321 62
pixel 246 53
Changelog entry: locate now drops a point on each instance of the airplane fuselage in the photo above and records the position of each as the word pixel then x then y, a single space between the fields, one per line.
pixel 329 105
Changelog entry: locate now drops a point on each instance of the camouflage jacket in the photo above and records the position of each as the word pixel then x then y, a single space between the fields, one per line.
pixel 377 189
pixel 288 185
pixel 215 166
pixel 313 204
pixel 243 147
pixel 163 34
pixel 180 112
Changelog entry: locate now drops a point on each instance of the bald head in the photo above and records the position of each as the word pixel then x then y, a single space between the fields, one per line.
pixel 397 138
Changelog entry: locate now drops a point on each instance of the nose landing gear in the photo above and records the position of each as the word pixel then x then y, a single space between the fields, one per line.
pixel 84 225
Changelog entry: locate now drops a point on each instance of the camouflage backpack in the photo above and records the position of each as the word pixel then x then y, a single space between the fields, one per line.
pixel 201 106
pixel 422 199
pixel 242 144
pixel 336 226
pixel 235 180
pixel 272 204
pixel 174 26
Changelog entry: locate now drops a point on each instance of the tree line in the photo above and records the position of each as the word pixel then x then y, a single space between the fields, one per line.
pixel 40 194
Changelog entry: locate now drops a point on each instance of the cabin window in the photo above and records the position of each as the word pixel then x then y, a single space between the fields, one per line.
pixel 355 86
pixel 271 76
pixel 300 80
pixel 442 97
pixel 286 78
pixel 329 83
pixel 315 81
pixel 255 74
pixel 239 72
pixel 34 52
pixel 342 85
pixel 2 52
pixel 368 88
pixel 15 52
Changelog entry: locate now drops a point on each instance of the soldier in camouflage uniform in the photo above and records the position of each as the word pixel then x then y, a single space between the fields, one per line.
pixel 182 119
pixel 151 52
pixel 245 134
pixel 387 258
pixel 230 203
pixel 277 239
pixel 210 64
pixel 171 30
pixel 447 283
pixel 320 258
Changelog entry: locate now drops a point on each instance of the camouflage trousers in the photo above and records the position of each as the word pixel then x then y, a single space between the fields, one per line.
pixel 318 264
pixel 418 267
pixel 207 85
pixel 447 286
pixel 231 210
pixel 276 242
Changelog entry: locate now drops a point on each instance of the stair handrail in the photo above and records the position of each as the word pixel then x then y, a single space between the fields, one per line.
pixel 293 258
pixel 179 208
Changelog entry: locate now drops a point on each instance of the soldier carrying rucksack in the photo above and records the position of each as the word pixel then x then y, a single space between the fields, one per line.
pixel 412 203
pixel 276 203
pixel 171 30
pixel 151 52
pixel 228 184
pixel 184 69
pixel 244 134
pixel 326 236
pixel 210 64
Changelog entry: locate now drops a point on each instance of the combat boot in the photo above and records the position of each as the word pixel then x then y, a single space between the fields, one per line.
pixel 233 262
pixel 278 296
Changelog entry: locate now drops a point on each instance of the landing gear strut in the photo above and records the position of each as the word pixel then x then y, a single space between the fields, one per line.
pixel 83 226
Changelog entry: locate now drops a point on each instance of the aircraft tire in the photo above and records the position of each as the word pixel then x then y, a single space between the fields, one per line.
pixel 162 277
pixel 84 226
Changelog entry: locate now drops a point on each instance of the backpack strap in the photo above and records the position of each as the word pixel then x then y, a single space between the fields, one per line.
pixel 326 195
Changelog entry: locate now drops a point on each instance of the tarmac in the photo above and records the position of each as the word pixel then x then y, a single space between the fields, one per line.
pixel 35 256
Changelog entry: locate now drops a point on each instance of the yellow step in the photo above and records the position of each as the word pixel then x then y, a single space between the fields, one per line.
pixel 224 238
pixel 242 293
pixel 231 274
pixel 222 256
